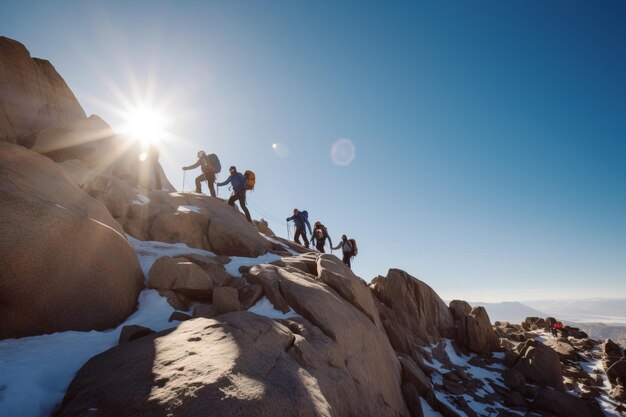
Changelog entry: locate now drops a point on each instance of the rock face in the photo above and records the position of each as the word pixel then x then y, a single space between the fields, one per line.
pixel 540 364
pixel 565 405
pixel 91 280
pixel 332 360
pixel 474 329
pixel 412 313
pixel 199 221
pixel 33 95
pixel 90 139
pixel 181 276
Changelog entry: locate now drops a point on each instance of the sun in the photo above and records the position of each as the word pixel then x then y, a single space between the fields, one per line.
pixel 149 126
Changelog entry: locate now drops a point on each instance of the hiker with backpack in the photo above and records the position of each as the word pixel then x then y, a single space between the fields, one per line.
pixel 300 219
pixel 240 184
pixel 349 249
pixel 556 327
pixel 210 165
pixel 320 234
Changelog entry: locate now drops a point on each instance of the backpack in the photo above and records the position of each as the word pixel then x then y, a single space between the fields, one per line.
pixel 355 250
pixel 305 214
pixel 215 163
pixel 250 179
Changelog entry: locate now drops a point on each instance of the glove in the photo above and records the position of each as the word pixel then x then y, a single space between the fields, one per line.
pixel 185 169
pixel 287 219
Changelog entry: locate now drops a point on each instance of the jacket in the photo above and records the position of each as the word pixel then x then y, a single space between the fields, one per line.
pixel 300 220
pixel 325 235
pixel 238 182
pixel 203 162
pixel 345 245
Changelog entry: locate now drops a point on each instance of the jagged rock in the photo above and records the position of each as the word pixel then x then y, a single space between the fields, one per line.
pixel 460 309
pixel 574 332
pixel 617 370
pixel 540 364
pixel 176 300
pixel 33 95
pixel 179 316
pixel 413 375
pixel 261 364
pixel 610 348
pixel 334 273
pixel 305 262
pixel 563 348
pixel 474 331
pixel 92 278
pixel 412 313
pixel 130 333
pixel 226 300
pixel 206 311
pixel 183 277
pixel 249 295
pixel 263 227
pixel 412 399
pixel 269 280
pixel 565 405
pixel 513 379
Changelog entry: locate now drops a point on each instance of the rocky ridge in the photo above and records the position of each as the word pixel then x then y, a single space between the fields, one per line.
pixel 329 345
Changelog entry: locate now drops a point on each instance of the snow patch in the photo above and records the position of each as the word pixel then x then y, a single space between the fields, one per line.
pixel 237 261
pixel 149 251
pixel 264 308
pixel 189 209
pixel 37 370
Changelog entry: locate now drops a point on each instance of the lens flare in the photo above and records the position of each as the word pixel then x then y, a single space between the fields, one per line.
pixel 342 152
pixel 143 156
pixel 281 150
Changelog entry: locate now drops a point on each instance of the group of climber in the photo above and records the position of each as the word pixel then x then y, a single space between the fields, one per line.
pixel 211 166
pixel 240 183
pixel 319 234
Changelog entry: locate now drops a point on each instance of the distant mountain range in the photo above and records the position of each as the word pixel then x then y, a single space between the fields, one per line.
pixel 601 318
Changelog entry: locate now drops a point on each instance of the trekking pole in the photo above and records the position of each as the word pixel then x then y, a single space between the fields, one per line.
pixel 184 172
pixel 288 235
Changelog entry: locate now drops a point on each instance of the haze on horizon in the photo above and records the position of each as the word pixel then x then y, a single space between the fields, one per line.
pixel 489 154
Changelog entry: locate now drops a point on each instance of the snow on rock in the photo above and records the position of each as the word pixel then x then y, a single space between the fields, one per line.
pixel 149 251
pixel 264 308
pixel 237 261
pixel 37 370
pixel 189 209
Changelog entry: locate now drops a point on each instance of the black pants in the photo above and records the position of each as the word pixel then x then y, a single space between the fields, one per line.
pixel 241 196
pixel 346 259
pixel 319 245
pixel 301 232
pixel 209 177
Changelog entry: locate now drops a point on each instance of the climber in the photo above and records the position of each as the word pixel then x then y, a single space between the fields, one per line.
pixel 239 184
pixel 210 165
pixel 348 247
pixel 320 234
pixel 300 219
pixel 556 327
pixel 153 160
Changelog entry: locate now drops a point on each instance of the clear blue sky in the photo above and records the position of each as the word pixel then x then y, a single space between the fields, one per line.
pixel 490 136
